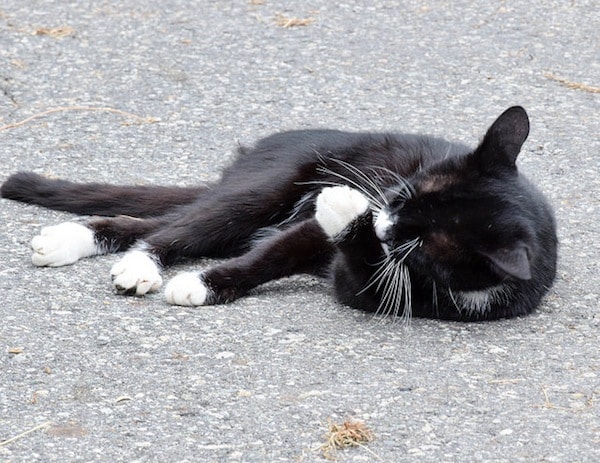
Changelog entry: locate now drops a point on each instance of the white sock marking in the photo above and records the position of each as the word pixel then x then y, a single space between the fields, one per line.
pixel 136 271
pixel 186 289
pixel 337 207
pixel 63 244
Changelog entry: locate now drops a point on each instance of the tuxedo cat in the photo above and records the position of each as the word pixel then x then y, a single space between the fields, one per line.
pixel 404 225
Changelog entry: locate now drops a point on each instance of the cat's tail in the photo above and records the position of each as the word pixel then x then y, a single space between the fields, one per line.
pixel 96 198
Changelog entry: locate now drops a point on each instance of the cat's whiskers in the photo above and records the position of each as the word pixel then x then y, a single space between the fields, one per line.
pixel 448 151
pixel 363 182
pixel 451 294
pixel 392 280
pixel 372 186
pixel 378 201
pixel 362 176
pixel 399 185
pixel 403 250
pixel 389 300
pixel 397 290
pixel 307 198
pixel 403 281
pixel 434 301
pixel 407 296
pixel 378 278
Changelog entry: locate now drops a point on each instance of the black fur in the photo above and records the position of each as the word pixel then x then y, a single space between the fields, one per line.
pixel 471 220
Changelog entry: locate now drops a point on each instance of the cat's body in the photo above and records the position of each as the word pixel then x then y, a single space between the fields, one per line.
pixel 405 224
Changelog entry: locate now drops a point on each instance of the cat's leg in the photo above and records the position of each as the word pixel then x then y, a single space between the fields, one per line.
pixel 68 242
pixel 221 227
pixel 303 248
pixel 63 244
pixel 345 216
pixel 342 230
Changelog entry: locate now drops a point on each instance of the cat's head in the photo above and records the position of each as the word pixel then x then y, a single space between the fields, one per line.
pixel 471 219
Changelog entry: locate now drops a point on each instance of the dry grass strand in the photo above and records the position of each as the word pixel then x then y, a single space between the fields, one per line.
pixel 55 32
pixel 25 433
pixel 286 22
pixel 144 120
pixel 571 84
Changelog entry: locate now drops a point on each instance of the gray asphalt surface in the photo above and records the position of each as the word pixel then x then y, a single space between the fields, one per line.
pixel 86 375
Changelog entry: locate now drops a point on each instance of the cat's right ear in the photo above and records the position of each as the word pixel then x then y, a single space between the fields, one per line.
pixel 498 151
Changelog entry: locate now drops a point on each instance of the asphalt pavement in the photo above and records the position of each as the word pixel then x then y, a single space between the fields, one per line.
pixel 163 92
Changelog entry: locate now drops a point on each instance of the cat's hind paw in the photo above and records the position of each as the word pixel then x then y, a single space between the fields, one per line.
pixel 136 274
pixel 186 289
pixel 337 207
pixel 63 244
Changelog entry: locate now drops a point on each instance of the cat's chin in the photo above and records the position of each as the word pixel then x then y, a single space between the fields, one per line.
pixel 479 301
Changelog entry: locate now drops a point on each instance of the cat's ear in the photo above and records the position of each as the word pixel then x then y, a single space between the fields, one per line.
pixel 512 260
pixel 498 151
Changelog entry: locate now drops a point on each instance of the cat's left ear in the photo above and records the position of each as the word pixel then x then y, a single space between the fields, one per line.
pixel 502 143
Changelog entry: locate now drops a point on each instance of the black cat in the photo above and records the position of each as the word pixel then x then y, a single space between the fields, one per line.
pixel 406 225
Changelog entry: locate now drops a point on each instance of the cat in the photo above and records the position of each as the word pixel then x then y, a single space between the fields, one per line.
pixel 405 225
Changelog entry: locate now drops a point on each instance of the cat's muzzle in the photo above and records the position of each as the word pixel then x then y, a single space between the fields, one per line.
pixel 382 225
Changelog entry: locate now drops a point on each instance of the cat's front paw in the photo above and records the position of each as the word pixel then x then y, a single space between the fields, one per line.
pixel 136 273
pixel 186 289
pixel 338 207
pixel 62 244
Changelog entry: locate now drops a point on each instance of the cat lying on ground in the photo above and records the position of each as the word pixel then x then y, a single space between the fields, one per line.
pixel 404 225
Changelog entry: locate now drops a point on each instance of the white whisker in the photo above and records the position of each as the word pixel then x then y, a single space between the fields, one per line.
pixel 383 268
pixel 398 291
pixel 371 196
pixel 406 286
pixel 356 171
pixel 453 300
pixel 399 185
pixel 434 301
pixel 298 208
pixel 405 249
pixel 386 304
pixel 392 282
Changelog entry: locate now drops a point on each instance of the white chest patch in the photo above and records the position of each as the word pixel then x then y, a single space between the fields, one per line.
pixel 478 301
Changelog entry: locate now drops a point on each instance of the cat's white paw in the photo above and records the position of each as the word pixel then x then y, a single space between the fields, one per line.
pixel 186 289
pixel 63 244
pixel 136 273
pixel 338 206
